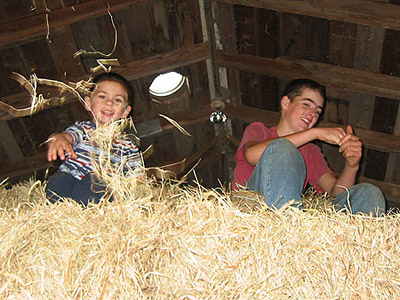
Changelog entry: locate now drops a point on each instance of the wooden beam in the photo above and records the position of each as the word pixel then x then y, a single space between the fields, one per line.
pixel 35 162
pixel 363 12
pixel 37 24
pixel 225 19
pixel 249 114
pixel 8 111
pixel 368 53
pixel 187 118
pixel 9 143
pixel 165 62
pixel 62 58
pixel 343 78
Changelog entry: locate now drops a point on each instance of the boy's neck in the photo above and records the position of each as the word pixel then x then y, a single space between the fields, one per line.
pixel 283 129
pixel 97 123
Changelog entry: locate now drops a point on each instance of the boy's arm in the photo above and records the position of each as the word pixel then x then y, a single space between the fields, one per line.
pixel 351 149
pixel 58 144
pixel 332 135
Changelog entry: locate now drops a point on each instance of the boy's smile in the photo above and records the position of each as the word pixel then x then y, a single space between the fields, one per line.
pixel 108 102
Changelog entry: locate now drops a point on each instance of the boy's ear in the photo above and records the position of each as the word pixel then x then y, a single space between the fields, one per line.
pixel 88 103
pixel 285 101
pixel 127 111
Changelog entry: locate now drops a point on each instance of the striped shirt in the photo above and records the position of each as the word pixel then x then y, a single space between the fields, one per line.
pixel 124 152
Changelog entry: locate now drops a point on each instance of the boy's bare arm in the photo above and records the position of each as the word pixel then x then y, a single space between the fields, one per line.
pixel 58 144
pixel 333 135
pixel 253 150
pixel 351 149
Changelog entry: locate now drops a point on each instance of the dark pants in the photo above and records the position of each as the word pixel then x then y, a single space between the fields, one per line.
pixel 83 191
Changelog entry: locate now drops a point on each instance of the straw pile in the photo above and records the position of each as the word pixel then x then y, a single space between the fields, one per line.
pixel 169 241
pixel 172 240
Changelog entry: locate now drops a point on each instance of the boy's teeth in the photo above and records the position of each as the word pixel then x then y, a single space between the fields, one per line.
pixel 305 120
pixel 108 113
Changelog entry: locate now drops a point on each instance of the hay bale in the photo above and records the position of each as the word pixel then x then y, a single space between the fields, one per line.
pixel 170 241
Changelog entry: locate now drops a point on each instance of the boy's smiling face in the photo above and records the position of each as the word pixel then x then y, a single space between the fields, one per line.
pixel 108 102
pixel 302 112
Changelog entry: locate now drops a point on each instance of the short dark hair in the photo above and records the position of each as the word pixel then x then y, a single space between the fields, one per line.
pixel 110 76
pixel 295 88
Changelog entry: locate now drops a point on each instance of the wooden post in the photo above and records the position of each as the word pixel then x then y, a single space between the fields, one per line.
pixel 9 143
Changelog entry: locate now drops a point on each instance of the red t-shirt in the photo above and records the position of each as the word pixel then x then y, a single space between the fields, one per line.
pixel 316 165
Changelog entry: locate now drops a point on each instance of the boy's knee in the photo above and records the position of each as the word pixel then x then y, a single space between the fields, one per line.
pixel 283 147
pixel 284 144
pixel 370 189
pixel 58 186
pixel 282 155
pixel 374 196
pixel 287 152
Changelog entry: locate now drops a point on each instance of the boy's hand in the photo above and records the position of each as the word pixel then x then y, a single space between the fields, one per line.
pixel 331 135
pixel 351 147
pixel 57 145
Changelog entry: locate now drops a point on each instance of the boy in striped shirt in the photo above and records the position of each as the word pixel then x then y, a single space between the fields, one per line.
pixel 111 100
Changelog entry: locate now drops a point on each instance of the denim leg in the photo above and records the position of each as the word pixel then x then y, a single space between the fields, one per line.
pixel 59 185
pixel 64 185
pixel 87 190
pixel 364 198
pixel 279 174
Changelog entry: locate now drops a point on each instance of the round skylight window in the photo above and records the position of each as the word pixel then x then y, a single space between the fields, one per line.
pixel 166 84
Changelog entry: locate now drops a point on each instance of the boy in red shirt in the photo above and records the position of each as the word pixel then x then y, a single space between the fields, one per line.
pixel 280 161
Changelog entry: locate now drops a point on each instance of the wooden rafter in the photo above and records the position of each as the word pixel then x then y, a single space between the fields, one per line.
pixel 365 12
pixel 165 61
pixel 27 27
pixel 330 75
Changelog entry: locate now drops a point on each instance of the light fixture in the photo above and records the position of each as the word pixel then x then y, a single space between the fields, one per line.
pixel 167 84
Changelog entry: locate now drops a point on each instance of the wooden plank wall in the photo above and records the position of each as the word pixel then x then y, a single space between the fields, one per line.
pixel 154 36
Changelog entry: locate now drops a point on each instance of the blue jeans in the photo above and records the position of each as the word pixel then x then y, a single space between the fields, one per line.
pixel 361 198
pixel 83 191
pixel 280 175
